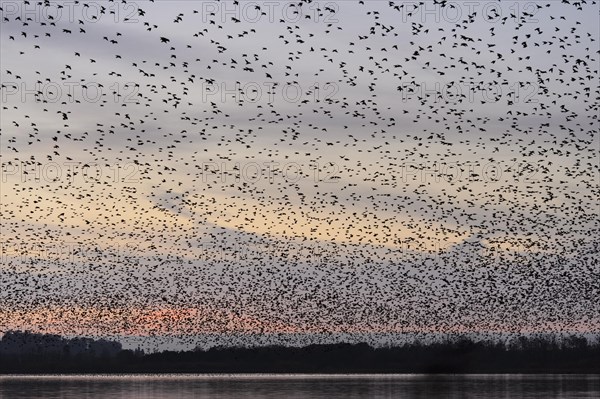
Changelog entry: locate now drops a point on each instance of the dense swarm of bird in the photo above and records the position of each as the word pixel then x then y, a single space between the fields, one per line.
pixel 357 168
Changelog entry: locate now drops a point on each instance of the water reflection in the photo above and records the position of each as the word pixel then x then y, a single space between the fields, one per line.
pixel 300 386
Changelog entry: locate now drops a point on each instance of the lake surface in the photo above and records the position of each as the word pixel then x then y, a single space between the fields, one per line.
pixel 300 386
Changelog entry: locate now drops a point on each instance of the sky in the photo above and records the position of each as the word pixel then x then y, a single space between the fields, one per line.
pixel 202 167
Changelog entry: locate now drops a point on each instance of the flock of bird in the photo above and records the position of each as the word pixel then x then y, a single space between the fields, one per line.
pixel 177 168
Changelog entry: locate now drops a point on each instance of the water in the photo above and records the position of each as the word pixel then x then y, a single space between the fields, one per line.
pixel 300 386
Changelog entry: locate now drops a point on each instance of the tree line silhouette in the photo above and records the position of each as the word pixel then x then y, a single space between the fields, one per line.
pixel 27 352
